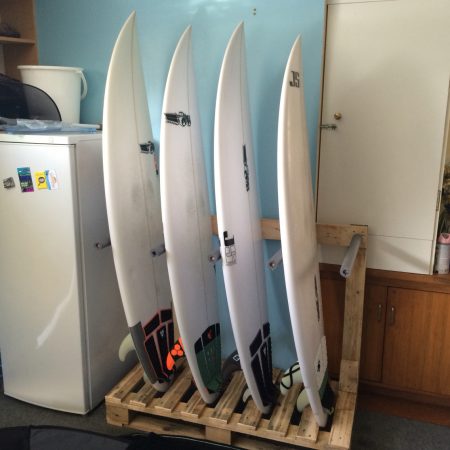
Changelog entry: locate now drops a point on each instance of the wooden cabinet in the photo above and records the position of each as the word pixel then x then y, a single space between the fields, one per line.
pixel 405 346
pixel 373 332
pixel 20 15
pixel 417 341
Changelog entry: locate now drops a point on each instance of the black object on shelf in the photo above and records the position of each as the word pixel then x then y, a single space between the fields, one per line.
pixel 8 31
pixel 23 101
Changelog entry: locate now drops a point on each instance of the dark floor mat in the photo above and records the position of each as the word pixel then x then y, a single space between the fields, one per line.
pixel 56 438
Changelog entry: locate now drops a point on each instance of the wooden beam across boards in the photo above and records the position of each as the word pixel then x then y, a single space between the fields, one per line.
pixel 339 235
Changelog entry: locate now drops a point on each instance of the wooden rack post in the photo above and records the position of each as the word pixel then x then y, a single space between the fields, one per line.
pixel 181 411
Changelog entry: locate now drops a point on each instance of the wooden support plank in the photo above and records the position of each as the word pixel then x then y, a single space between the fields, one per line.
pixel 118 415
pixel 194 406
pixel 229 400
pixel 307 429
pixel 214 226
pixel 340 235
pixel 354 304
pixel 173 396
pixel 144 396
pixel 345 401
pixel 218 435
pixel 341 430
pixel 159 425
pixel 250 417
pixel 122 389
pixel 281 416
pixel 270 229
pixel 348 376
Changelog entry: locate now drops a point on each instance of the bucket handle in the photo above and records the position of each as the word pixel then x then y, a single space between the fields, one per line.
pixel 85 88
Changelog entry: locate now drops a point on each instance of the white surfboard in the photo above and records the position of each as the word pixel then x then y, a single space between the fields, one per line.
pixel 239 225
pixel 187 223
pixel 298 235
pixel 134 209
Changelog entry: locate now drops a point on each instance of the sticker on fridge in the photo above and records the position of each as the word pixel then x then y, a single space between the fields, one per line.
pixel 40 179
pixel 25 179
pixel 52 179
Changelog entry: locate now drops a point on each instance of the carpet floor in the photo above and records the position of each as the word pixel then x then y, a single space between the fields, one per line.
pixel 372 430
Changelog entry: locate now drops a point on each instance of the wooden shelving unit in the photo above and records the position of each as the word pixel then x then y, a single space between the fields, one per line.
pixel 180 411
pixel 20 14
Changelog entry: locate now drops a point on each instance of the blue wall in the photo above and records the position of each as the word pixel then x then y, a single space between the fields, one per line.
pixel 82 33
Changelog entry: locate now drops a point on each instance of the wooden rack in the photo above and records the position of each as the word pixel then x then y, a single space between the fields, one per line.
pixel 181 411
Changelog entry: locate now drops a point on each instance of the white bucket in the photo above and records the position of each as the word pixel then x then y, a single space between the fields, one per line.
pixel 65 85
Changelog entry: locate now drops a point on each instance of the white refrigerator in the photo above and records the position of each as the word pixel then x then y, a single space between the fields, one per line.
pixel 61 317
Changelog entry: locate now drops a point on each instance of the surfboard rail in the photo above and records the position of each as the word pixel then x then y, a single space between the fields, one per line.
pixel 180 411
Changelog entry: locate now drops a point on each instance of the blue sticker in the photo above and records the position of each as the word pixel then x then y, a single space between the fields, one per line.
pixel 26 181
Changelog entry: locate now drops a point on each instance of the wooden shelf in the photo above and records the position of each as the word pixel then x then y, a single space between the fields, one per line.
pixel 16 41
pixel 19 14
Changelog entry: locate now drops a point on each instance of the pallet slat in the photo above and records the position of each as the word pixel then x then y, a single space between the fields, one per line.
pixel 250 417
pixel 228 402
pixel 173 396
pixel 308 428
pixel 122 389
pixel 144 396
pixel 195 406
pixel 281 416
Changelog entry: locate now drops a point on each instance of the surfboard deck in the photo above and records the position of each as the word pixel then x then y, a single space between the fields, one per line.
pixel 133 208
pixel 298 235
pixel 239 226
pixel 187 223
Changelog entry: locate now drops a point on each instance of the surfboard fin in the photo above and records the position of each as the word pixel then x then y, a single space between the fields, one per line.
pixel 126 346
pixel 291 376
pixel 246 395
pixel 231 364
pixel 302 401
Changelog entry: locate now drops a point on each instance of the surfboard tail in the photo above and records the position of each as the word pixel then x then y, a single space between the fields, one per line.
pixel 153 342
pixel 208 356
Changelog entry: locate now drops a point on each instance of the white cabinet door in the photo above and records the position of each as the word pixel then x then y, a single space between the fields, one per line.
pixel 387 67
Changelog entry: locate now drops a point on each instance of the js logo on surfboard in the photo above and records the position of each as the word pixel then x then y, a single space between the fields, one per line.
pixel 295 81
pixel 179 118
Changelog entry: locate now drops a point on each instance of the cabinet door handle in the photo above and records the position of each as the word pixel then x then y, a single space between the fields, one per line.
pixel 379 310
pixel 392 316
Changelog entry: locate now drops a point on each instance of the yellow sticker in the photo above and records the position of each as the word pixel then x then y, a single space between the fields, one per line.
pixel 41 180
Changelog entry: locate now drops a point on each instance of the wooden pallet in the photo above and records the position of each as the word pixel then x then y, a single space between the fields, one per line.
pixel 181 411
